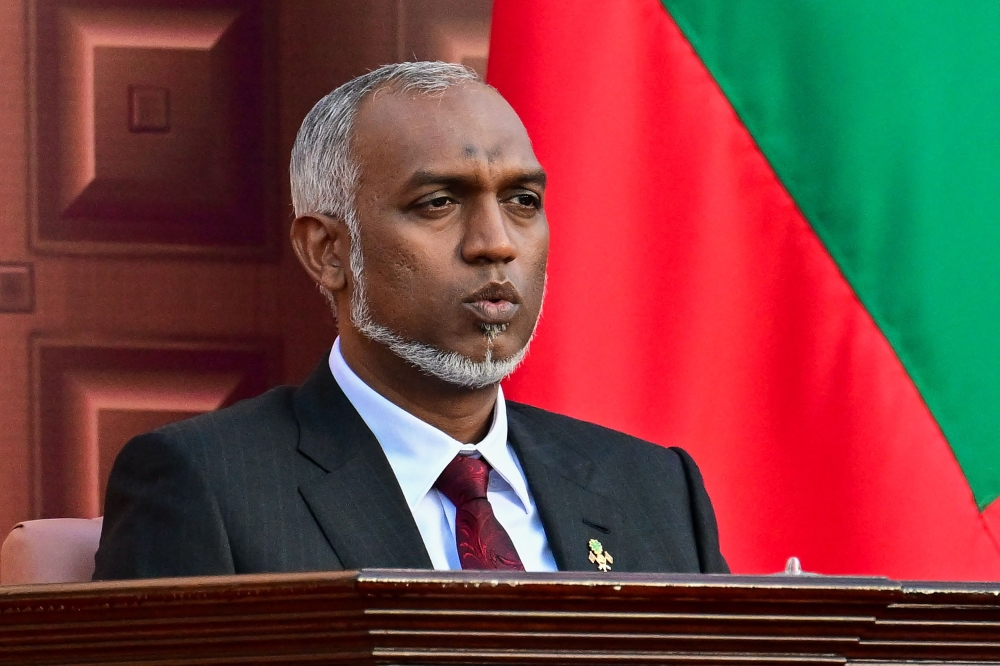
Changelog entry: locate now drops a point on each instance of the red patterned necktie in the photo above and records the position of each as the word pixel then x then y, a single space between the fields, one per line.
pixel 483 543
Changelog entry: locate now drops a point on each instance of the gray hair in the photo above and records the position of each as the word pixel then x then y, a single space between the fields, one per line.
pixel 324 175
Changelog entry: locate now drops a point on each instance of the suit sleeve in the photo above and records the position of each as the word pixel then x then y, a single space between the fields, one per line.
pixel 161 517
pixel 706 529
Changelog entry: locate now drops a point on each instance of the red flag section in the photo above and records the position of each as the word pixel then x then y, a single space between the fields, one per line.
pixel 690 303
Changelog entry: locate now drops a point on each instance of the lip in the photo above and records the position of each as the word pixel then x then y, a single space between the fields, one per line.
pixel 493 312
pixel 495 303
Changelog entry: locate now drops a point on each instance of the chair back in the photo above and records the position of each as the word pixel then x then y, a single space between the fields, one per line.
pixel 55 550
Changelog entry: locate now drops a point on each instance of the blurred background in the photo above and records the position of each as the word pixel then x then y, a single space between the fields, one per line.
pixel 145 274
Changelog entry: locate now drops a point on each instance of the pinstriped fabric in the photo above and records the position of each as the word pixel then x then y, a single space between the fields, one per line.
pixel 293 480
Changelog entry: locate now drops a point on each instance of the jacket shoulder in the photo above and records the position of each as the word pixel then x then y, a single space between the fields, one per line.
pixel 264 418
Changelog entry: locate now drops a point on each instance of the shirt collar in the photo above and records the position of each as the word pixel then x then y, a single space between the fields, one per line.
pixel 417 451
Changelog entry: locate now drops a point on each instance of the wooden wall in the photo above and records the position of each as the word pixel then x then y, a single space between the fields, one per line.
pixel 132 325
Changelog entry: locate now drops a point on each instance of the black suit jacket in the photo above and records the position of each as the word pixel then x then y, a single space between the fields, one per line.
pixel 294 480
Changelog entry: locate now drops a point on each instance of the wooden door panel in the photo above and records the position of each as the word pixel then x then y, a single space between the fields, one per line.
pixel 152 127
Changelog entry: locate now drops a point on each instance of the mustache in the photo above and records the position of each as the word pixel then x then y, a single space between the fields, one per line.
pixel 495 291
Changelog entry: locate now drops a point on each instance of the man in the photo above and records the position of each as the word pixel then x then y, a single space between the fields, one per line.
pixel 420 216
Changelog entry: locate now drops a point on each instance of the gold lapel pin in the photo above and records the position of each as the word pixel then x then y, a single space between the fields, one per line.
pixel 600 556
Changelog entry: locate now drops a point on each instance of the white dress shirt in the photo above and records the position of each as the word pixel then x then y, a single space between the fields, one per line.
pixel 418 453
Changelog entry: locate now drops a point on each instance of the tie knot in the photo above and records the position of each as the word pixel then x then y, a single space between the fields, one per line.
pixel 464 479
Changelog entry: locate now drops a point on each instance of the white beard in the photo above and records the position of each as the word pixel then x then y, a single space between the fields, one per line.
pixel 448 366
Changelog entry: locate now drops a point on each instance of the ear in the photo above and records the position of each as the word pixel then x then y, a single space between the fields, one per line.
pixel 322 245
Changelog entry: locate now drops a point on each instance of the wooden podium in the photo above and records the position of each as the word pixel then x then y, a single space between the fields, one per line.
pixel 426 617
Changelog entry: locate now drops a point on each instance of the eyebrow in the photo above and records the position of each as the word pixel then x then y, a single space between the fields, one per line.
pixel 422 177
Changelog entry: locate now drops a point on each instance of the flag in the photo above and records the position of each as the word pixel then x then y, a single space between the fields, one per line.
pixel 776 243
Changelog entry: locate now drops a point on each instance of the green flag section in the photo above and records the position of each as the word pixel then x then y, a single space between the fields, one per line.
pixel 769 248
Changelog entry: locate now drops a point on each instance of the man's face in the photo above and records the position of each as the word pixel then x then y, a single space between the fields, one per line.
pixel 453 234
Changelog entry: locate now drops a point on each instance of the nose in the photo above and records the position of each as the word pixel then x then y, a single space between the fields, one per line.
pixel 487 237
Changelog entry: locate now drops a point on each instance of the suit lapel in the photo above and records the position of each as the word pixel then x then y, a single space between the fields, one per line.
pixel 358 503
pixel 572 510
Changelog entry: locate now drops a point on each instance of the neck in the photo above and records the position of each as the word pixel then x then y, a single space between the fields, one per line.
pixel 462 413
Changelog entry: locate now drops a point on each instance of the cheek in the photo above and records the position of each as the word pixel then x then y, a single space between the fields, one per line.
pixel 392 270
pixel 401 281
pixel 535 266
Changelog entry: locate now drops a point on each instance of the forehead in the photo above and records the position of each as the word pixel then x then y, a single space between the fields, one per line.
pixel 398 133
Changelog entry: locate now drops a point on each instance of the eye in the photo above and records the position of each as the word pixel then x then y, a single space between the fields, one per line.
pixel 527 202
pixel 435 206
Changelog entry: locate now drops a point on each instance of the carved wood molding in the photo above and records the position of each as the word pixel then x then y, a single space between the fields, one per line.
pixel 153 127
pixel 425 617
